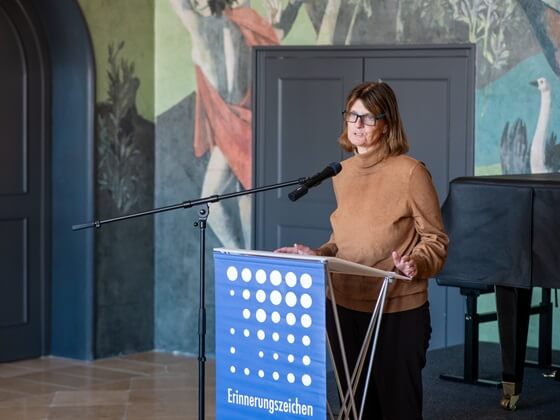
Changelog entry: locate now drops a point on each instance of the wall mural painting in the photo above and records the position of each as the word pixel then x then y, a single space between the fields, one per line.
pixel 542 153
pixel 223 31
pixel 221 36
pixel 118 154
pixel 125 184
pixel 204 137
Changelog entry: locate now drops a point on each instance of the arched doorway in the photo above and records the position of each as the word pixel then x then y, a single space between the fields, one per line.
pixel 24 183
pixel 50 291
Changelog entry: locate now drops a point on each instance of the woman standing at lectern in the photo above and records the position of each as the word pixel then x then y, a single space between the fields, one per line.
pixel 387 217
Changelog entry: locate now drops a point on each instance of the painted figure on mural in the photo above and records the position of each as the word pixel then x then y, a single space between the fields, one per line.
pixel 542 154
pixel 222 32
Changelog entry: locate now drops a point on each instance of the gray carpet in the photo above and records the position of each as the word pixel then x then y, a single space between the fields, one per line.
pixel 446 400
pixel 540 398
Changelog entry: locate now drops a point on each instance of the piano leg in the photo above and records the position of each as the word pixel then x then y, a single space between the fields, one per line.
pixel 513 306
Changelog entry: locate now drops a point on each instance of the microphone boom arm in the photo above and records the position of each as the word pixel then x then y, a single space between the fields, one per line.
pixel 189 204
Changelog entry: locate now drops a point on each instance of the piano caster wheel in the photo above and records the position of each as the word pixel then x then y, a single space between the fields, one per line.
pixel 509 403
pixel 510 398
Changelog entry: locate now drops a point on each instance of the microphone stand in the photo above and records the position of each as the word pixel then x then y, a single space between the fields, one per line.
pixel 201 224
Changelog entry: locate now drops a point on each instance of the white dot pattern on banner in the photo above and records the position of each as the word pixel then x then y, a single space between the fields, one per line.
pixel 260 276
pixel 306 281
pixel 290 319
pixel 291 299
pixel 306 321
pixel 305 301
pixel 291 279
pixel 231 273
pixel 246 275
pixel 275 278
pixel 261 315
pixel 261 296
pixel 276 297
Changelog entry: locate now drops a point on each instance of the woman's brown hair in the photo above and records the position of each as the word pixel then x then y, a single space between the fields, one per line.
pixel 378 98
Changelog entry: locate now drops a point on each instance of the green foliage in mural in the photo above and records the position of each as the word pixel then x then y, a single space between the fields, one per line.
pixel 487 22
pixel 360 6
pixel 118 172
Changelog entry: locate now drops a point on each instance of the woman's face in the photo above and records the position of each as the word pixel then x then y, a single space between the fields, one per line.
pixel 363 136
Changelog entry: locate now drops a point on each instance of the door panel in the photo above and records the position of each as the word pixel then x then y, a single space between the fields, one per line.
pixel 299 131
pixel 433 98
pixel 13 256
pixel 12 83
pixel 23 184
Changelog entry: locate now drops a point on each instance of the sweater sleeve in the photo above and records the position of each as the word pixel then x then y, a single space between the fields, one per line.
pixel 431 251
pixel 328 249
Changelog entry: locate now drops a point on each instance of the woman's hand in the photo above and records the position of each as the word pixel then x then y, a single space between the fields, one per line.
pixel 296 249
pixel 405 265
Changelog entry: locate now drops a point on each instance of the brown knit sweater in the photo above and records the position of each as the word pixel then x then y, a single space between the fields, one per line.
pixel 384 205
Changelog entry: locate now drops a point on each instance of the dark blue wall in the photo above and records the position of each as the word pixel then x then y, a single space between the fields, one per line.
pixel 72 298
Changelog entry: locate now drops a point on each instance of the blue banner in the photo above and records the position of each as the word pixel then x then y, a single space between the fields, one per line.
pixel 270 338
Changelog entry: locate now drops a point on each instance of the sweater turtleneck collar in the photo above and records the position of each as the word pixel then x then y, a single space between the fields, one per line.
pixel 370 158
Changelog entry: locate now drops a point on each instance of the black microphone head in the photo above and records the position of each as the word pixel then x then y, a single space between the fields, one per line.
pixel 336 167
pixel 298 193
pixel 331 170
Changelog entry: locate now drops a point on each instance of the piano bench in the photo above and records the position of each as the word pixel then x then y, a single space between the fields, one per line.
pixel 471 291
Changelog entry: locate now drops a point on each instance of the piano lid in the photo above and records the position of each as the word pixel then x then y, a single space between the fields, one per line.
pixel 503 230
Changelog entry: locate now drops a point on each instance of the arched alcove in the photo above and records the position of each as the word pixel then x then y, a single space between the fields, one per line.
pixel 72 191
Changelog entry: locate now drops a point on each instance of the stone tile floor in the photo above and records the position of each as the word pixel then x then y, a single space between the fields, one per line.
pixel 143 386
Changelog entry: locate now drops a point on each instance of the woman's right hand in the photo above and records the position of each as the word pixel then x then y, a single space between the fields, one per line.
pixel 298 249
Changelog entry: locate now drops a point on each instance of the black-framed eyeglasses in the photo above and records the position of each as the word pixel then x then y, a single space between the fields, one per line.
pixel 367 119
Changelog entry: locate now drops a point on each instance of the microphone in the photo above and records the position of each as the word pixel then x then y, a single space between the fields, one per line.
pixel 331 170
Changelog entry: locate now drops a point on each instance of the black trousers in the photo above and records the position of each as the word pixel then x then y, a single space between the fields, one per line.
pixel 395 387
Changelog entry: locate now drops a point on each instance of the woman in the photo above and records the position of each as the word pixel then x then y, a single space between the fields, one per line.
pixel 387 217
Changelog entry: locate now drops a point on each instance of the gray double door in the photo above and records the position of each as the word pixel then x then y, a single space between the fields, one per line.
pixel 299 97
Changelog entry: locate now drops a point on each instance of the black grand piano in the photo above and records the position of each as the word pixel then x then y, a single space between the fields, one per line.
pixel 505 231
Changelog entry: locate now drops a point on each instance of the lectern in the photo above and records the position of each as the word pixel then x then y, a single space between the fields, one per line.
pixel 271 346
